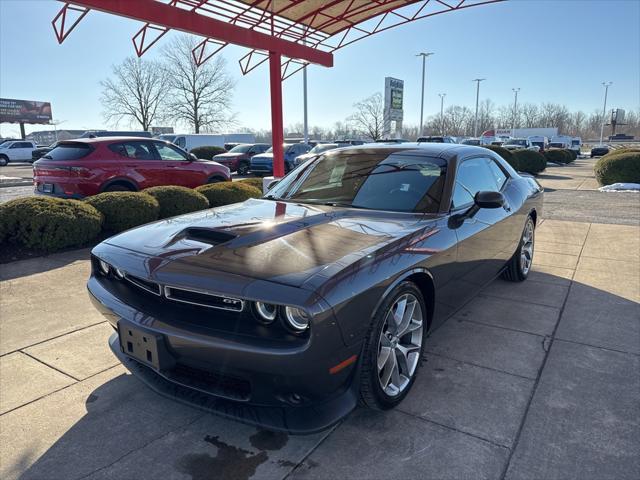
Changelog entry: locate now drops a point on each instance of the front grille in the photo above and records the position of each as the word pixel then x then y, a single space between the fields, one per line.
pixel 211 382
pixel 150 287
pixel 203 299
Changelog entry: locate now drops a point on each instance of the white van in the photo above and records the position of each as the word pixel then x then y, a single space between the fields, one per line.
pixel 539 141
pixel 192 140
pixel 565 141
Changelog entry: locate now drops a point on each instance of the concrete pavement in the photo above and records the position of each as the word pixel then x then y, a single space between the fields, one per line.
pixel 532 380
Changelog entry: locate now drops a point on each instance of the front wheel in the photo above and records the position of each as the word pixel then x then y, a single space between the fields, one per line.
pixel 519 266
pixel 3 161
pixel 393 349
pixel 243 168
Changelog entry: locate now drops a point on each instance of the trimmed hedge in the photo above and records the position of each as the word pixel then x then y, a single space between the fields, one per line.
pixel 124 210
pixel 207 153
pixel 558 155
pixel 618 167
pixel 507 155
pixel 225 193
pixel 174 200
pixel 254 182
pixel 573 153
pixel 48 224
pixel 529 161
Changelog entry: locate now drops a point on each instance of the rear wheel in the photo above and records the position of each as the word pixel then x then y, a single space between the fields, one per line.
pixel 393 349
pixel 519 266
pixel 119 187
pixel 215 180
pixel 3 161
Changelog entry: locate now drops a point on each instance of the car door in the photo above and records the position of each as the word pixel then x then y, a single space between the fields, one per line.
pixel 178 168
pixel 20 151
pixel 485 238
pixel 135 160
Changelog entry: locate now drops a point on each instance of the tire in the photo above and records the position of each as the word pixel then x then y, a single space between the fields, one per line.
pixel 119 187
pixel 3 161
pixel 520 264
pixel 243 168
pixel 215 180
pixel 398 369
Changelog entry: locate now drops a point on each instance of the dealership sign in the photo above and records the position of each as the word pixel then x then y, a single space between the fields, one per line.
pixel 24 111
pixel 393 111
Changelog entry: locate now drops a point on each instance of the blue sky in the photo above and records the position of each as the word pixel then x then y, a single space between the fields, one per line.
pixel 554 50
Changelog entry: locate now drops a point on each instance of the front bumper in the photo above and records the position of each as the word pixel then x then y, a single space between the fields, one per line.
pixel 285 389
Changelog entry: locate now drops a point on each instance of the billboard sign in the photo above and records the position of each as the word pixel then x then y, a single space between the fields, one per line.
pixel 617 116
pixel 24 111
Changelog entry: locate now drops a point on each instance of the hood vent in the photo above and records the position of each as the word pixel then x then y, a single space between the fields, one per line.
pixel 207 235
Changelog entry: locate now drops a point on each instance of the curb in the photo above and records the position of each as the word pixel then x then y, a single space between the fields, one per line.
pixel 21 183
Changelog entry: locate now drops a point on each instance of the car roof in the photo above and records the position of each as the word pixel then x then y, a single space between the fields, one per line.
pixel 446 151
pixel 113 139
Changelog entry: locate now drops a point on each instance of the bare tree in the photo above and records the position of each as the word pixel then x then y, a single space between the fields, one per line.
pixel 200 95
pixel 136 92
pixel 368 117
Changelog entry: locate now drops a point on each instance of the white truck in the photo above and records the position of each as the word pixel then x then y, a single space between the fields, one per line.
pixel 520 144
pixel 16 151
pixel 189 141
pixel 566 141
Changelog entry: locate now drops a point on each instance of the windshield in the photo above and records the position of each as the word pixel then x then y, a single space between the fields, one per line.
pixel 471 142
pixel 517 141
pixel 400 181
pixel 240 149
pixel 285 147
pixel 323 147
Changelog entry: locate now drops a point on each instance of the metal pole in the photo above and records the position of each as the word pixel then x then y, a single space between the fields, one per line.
pixel 475 122
pixel 424 58
pixel 515 109
pixel 604 108
pixel 304 89
pixel 277 135
pixel 442 95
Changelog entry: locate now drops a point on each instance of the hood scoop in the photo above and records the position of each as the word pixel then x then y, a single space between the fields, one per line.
pixel 206 235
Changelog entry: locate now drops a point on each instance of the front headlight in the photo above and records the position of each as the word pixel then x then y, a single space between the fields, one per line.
pixel 104 267
pixel 266 311
pixel 296 318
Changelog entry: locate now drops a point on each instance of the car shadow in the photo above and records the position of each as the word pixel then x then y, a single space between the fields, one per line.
pixel 123 415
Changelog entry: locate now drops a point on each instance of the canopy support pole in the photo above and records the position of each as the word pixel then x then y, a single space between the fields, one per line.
pixel 277 135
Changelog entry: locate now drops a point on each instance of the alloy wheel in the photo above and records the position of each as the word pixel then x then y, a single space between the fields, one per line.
pixel 526 251
pixel 400 344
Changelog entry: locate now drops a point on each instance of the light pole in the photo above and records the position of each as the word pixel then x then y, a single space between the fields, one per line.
pixel 442 95
pixel 515 109
pixel 604 108
pixel 424 56
pixel 475 122
pixel 55 124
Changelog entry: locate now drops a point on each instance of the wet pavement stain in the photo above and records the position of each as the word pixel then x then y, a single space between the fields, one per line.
pixel 229 462
pixel 266 440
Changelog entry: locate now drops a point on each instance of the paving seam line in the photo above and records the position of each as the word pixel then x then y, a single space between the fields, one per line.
pixel 476 322
pixel 540 370
pixel 599 347
pixel 42 362
pixel 313 449
pixel 424 357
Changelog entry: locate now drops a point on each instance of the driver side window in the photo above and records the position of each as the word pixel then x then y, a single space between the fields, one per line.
pixel 474 175
pixel 167 152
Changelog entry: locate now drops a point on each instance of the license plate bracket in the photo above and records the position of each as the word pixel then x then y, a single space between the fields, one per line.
pixel 47 187
pixel 143 346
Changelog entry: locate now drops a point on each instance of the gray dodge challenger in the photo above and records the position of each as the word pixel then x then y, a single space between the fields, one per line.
pixel 290 310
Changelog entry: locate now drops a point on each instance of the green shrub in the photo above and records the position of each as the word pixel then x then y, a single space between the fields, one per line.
pixel 174 200
pixel 507 155
pixel 124 210
pixel 207 153
pixel 529 161
pixel 254 182
pixel 617 167
pixel 573 153
pixel 48 224
pixel 225 193
pixel 558 155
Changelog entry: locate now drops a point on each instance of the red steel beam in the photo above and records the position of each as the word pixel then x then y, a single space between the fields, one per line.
pixel 277 130
pixel 178 19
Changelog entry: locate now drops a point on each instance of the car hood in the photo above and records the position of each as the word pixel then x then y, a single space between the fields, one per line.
pixel 280 242
pixel 228 155
pixel 263 156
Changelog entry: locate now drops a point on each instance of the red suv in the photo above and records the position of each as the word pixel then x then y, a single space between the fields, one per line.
pixel 238 159
pixel 87 166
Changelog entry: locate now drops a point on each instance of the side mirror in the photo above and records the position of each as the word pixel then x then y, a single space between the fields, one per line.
pixel 489 199
pixel 192 157
pixel 272 184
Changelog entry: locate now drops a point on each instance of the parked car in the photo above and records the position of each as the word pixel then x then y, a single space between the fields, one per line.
pixel 287 311
pixel 238 159
pixel 520 144
pixel 436 139
pixel 262 164
pixel 16 151
pixel 113 133
pixel 317 150
pixel 344 143
pixel 392 140
pixel 599 150
pixel 188 142
pixel 42 151
pixel 539 141
pixel 471 141
pixel 83 167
